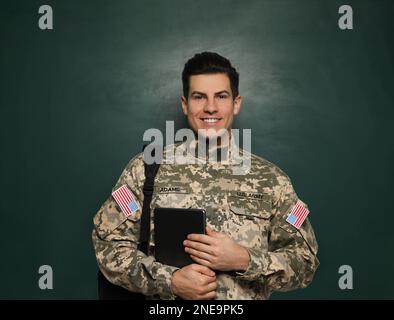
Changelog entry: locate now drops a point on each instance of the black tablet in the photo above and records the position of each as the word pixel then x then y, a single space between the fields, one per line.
pixel 171 228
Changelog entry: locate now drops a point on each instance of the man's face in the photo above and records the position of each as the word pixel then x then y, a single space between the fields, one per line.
pixel 210 104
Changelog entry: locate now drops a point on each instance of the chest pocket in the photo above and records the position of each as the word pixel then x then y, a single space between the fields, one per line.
pixel 250 205
pixel 176 196
pixel 249 220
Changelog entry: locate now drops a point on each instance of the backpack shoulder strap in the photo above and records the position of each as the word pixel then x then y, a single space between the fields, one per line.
pixel 150 174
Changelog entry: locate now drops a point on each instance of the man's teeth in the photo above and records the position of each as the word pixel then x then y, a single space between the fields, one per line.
pixel 211 120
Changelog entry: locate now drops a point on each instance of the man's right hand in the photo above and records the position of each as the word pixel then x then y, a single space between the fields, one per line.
pixel 194 282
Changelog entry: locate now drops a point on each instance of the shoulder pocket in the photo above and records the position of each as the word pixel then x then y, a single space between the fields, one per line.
pixel 305 231
pixel 110 217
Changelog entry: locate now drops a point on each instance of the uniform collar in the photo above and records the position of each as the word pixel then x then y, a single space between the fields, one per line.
pixel 228 154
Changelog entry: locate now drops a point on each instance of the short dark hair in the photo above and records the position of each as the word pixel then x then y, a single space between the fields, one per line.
pixel 209 63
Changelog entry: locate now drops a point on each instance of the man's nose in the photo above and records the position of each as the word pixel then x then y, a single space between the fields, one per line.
pixel 210 106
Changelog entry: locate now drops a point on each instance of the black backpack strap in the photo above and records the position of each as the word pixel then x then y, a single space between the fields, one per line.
pixel 109 291
pixel 150 174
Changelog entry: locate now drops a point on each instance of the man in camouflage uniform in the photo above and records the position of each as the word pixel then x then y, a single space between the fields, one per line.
pixel 249 249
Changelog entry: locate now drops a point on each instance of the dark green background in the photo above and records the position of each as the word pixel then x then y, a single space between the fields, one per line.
pixel 76 100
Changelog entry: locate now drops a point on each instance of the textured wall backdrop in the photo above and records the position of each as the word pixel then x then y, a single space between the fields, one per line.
pixel 76 100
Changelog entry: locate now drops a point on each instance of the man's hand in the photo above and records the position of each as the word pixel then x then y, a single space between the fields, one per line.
pixel 194 282
pixel 217 251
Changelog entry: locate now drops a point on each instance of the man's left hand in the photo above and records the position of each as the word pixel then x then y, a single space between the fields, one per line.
pixel 217 251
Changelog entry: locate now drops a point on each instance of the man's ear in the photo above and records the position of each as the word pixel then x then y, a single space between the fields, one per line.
pixel 237 105
pixel 184 105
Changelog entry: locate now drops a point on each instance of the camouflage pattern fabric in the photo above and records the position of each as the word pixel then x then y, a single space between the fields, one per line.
pixel 251 208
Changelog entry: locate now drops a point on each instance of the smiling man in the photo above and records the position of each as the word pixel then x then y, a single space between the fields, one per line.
pixel 211 104
pixel 258 237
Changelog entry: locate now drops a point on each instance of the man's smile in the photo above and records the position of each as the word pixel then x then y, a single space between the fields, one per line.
pixel 211 121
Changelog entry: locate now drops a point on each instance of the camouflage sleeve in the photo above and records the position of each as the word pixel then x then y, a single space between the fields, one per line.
pixel 115 240
pixel 290 261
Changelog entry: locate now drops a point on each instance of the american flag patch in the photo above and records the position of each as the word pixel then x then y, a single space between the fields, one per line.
pixel 126 200
pixel 297 215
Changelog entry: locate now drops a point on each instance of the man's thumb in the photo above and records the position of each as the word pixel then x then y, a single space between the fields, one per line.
pixel 210 232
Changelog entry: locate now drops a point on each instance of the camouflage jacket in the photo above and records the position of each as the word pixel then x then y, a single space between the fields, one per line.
pixel 251 208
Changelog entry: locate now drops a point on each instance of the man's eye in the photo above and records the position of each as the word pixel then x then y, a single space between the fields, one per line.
pixel 222 96
pixel 197 97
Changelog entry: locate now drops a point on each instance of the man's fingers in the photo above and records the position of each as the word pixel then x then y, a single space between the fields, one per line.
pixel 211 287
pixel 201 238
pixel 201 261
pixel 203 269
pixel 198 246
pixel 198 254
pixel 207 280
pixel 210 232
pixel 215 234
pixel 209 296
